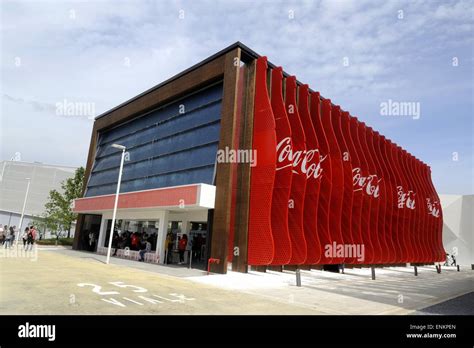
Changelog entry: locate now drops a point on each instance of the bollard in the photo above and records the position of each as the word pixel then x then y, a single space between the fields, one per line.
pixel 458 268
pixel 298 277
pixel 190 258
pixel 416 271
pixel 209 261
pixel 342 268
pixel 373 273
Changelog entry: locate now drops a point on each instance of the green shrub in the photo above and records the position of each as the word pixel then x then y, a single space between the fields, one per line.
pixel 52 241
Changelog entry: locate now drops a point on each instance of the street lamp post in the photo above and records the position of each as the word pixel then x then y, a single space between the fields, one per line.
pixel 23 210
pixel 123 148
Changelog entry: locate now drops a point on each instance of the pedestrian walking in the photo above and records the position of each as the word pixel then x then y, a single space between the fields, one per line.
pixel 24 237
pixel 2 235
pixel 31 237
pixel 12 235
pixel 8 237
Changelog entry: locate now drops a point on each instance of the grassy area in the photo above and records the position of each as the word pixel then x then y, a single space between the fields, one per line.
pixel 52 241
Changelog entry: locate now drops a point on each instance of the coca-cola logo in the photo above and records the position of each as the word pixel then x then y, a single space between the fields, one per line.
pixel 433 207
pixel 405 199
pixel 307 162
pixel 368 184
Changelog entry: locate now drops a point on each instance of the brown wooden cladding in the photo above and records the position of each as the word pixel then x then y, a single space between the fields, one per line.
pixel 224 173
pixel 239 262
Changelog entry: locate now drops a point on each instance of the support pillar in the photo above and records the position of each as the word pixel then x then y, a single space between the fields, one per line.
pixel 162 231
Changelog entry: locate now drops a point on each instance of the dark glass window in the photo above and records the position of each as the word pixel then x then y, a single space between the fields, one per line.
pixel 173 145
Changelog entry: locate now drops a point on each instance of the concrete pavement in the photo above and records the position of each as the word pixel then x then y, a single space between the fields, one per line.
pixel 62 281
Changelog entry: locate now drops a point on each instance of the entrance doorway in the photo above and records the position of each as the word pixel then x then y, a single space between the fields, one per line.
pixel 131 235
pixel 187 249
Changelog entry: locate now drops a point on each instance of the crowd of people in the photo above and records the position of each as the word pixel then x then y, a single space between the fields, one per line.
pixel 181 244
pixel 144 243
pixel 8 235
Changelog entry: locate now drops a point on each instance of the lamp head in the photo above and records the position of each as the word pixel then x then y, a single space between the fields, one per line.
pixel 118 146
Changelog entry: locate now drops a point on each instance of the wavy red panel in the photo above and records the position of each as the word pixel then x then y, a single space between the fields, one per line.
pixel 362 178
pixel 311 167
pixel 384 225
pixel 397 217
pixel 282 187
pixel 430 221
pixel 405 204
pixel 423 213
pixel 298 183
pixel 431 211
pixel 438 221
pixel 412 212
pixel 430 250
pixel 374 192
pixel 416 237
pixel 350 131
pixel 340 122
pixel 337 179
pixel 324 197
pixel 262 177
pixel 391 201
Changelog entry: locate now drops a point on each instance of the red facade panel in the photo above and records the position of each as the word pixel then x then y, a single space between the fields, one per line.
pixel 340 123
pixel 337 178
pixel 262 177
pixel 324 180
pixel 324 198
pixel 298 184
pixel 311 168
pixel 357 194
pixel 284 172
pixel 374 192
pixel 365 186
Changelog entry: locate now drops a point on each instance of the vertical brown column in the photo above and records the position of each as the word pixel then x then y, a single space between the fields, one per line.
pixel 224 175
pixel 239 262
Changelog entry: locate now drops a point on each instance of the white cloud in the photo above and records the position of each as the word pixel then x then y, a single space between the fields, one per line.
pixel 86 57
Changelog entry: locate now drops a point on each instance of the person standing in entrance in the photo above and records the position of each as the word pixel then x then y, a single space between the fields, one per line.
pixel 183 243
pixel 169 248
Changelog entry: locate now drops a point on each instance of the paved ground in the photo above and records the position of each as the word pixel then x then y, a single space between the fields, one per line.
pixel 61 281
pixel 461 305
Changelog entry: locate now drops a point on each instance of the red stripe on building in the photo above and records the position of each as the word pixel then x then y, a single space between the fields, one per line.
pixel 166 197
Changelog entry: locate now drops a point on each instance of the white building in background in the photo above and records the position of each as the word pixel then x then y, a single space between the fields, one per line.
pixel 13 185
pixel 458 227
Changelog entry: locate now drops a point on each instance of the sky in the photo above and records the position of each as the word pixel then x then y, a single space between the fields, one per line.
pixel 363 55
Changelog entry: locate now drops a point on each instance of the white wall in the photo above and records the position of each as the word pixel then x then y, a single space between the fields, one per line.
pixel 458 227
pixel 13 219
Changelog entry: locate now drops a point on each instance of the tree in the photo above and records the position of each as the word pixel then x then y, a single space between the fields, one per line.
pixel 59 215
